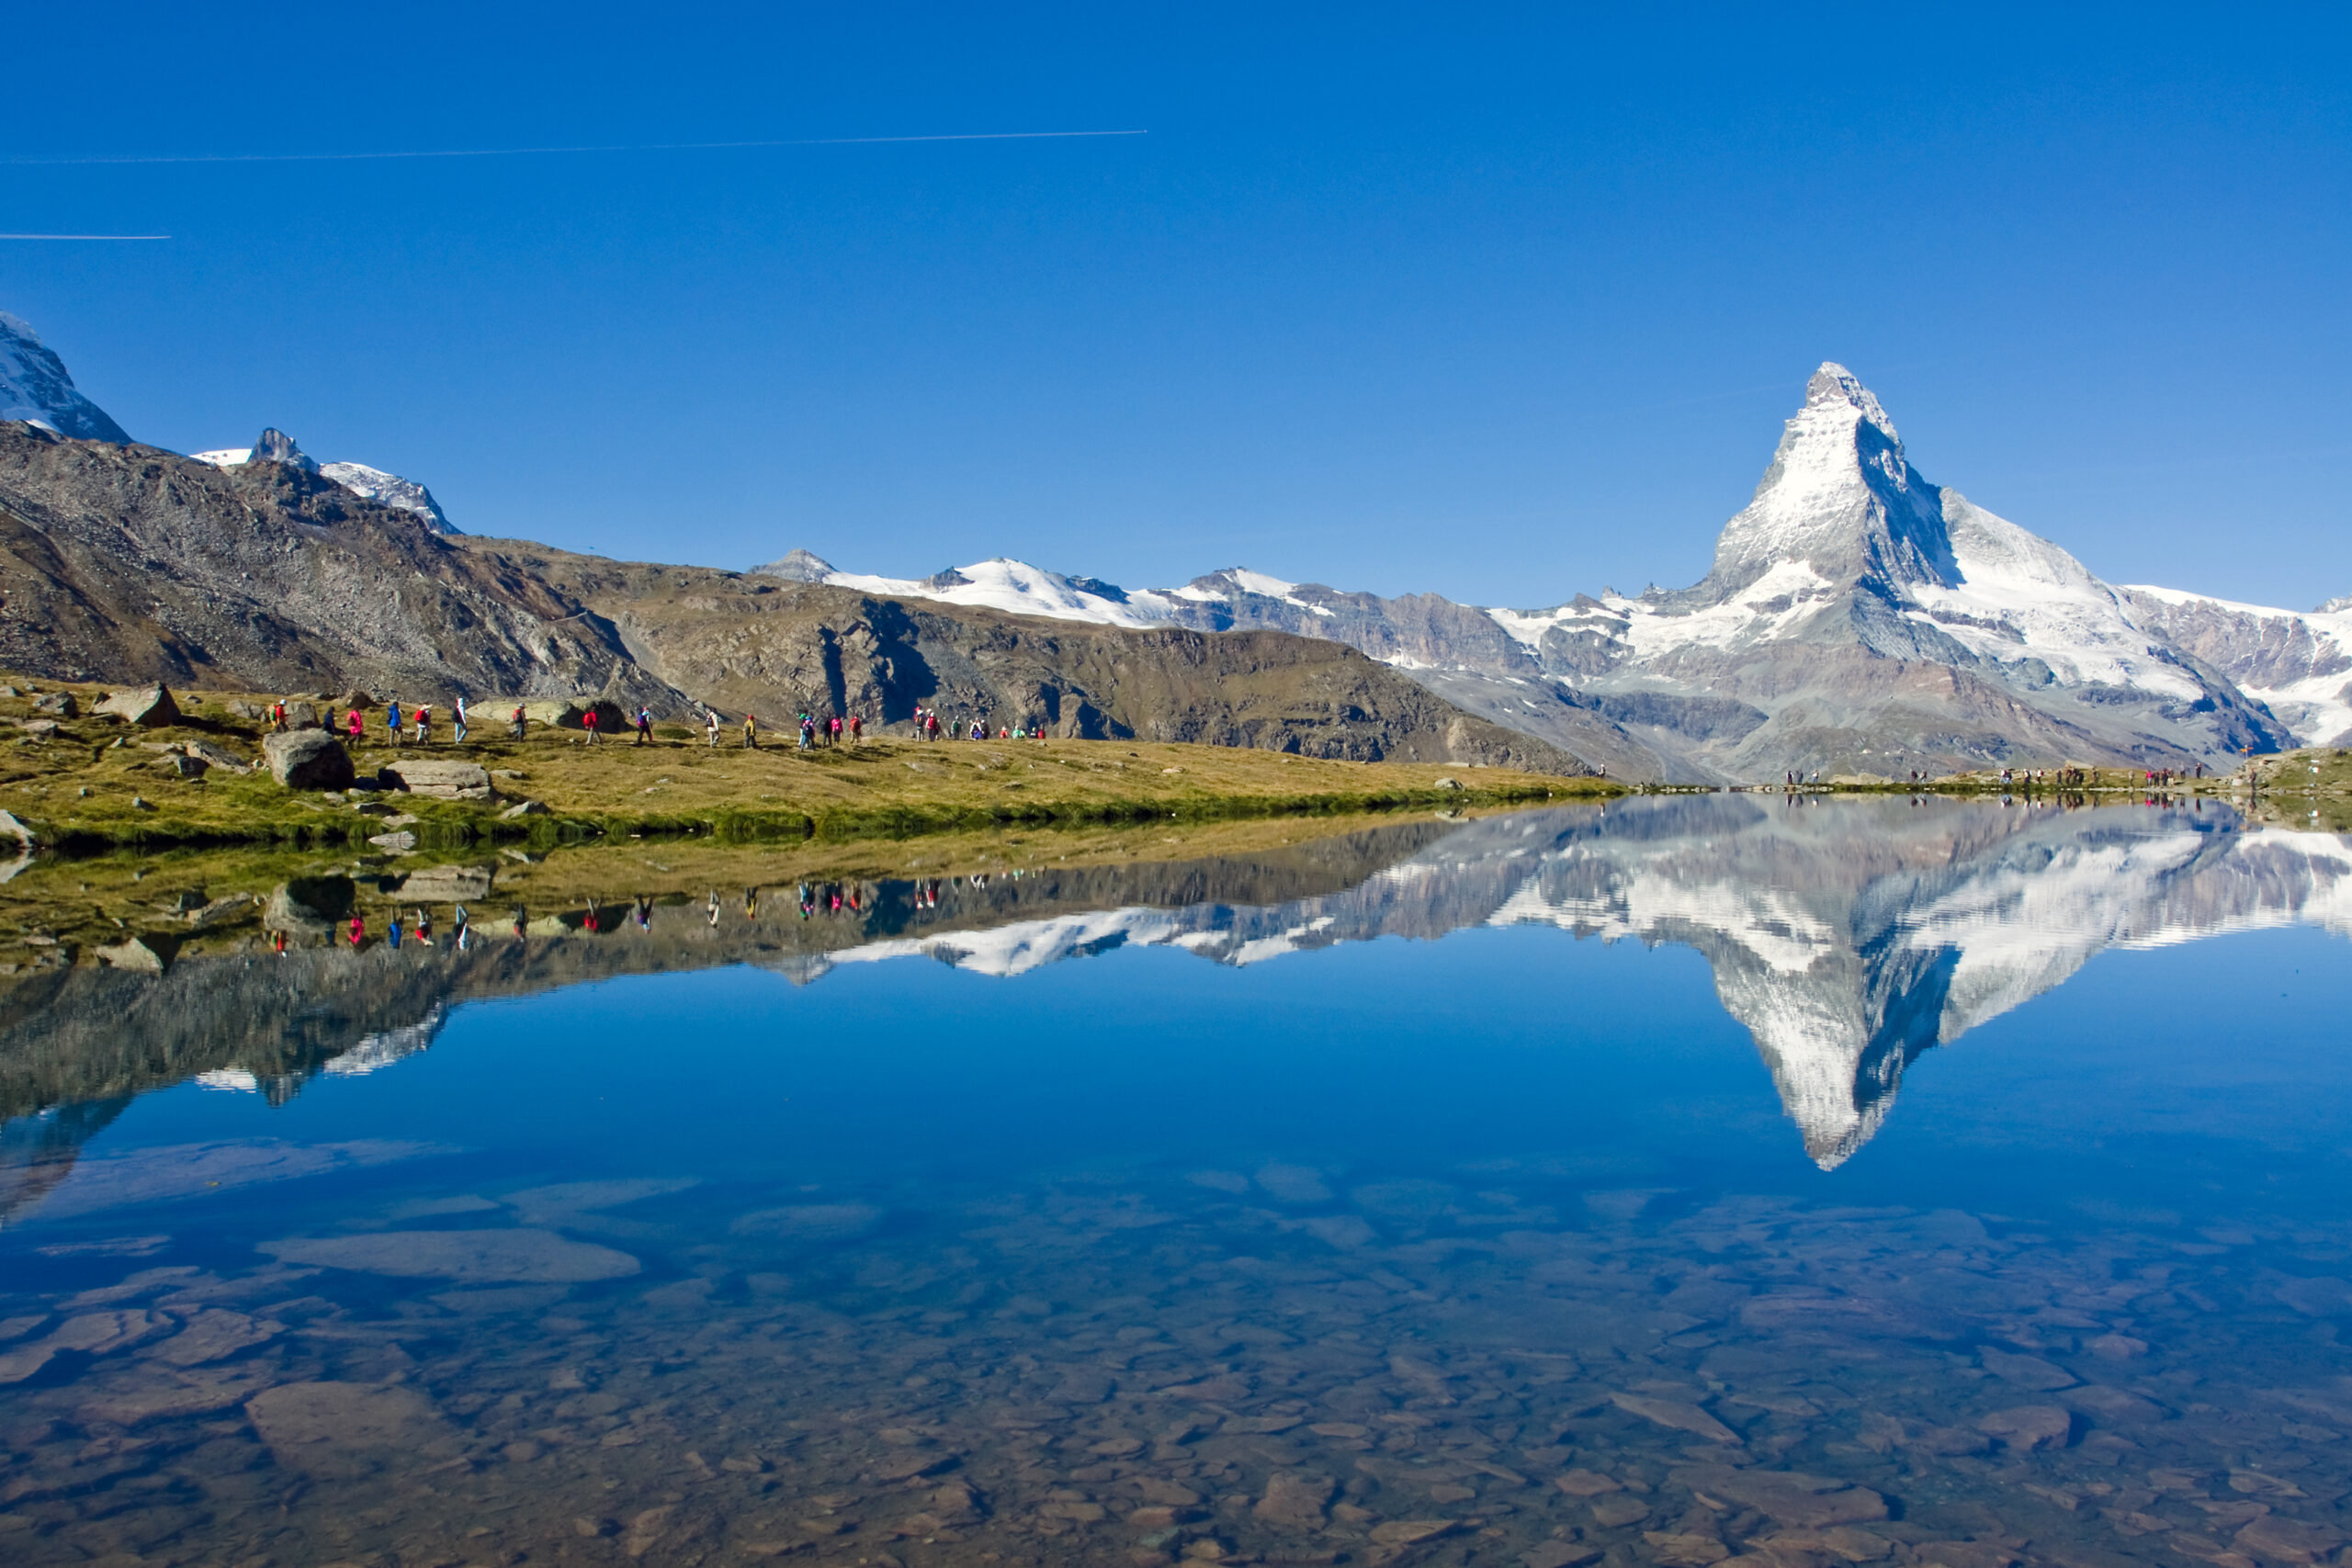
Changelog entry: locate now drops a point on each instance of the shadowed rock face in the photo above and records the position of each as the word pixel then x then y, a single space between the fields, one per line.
pixel 1848 937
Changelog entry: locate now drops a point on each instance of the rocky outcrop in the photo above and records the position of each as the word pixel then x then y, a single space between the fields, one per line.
pixel 129 563
pixel 151 707
pixel 438 781
pixel 308 758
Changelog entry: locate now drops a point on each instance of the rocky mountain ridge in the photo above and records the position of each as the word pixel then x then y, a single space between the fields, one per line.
pixel 374 484
pixel 1857 617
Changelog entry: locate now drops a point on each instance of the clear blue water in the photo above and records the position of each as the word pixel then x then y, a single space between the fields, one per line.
pixel 1554 1192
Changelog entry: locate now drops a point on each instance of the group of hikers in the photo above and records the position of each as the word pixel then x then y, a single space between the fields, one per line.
pixel 413 724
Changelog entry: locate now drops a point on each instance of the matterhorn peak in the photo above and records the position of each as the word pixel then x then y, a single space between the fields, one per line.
pixel 1833 385
pixel 36 387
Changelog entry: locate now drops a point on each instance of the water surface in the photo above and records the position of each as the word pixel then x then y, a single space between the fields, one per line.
pixel 1941 1182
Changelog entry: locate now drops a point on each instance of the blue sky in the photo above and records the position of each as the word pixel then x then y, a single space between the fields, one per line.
pixel 1504 304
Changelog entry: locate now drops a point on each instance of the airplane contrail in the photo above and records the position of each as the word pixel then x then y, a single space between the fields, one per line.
pixel 84 236
pixel 537 151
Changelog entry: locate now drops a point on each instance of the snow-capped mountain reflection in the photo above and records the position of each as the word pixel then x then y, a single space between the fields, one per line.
pixel 1847 936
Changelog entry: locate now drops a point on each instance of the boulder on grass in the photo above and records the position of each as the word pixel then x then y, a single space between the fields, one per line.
pixel 440 781
pixel 58 704
pixel 558 713
pixel 308 758
pixel 150 706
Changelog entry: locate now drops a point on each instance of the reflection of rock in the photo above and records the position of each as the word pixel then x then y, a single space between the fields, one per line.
pixel 499 1256
pixel 810 1223
pixel 346 1431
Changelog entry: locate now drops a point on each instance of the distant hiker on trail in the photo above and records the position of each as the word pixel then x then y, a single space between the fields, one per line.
pixel 644 725
pixel 807 732
pixel 352 719
pixel 856 730
pixel 423 723
pixel 710 721
pixel 516 721
pixel 393 719
pixel 751 733
pixel 277 715
pixel 588 722
pixel 934 727
pixel 457 715
pixel 834 724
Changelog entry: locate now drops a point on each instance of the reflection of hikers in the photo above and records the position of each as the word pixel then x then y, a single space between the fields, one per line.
pixel 517 721
pixel 425 927
pixel 392 931
pixel 596 920
pixel 644 725
pixel 644 913
pixel 359 933
pixel 714 908
pixel 751 903
pixel 522 920
pixel 465 929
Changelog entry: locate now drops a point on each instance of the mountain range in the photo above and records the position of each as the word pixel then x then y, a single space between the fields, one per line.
pixel 1858 618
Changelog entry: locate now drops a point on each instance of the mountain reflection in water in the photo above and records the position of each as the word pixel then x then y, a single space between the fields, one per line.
pixel 1848 936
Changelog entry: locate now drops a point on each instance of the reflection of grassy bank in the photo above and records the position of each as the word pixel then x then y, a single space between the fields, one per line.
pixel 97 782
pixel 61 909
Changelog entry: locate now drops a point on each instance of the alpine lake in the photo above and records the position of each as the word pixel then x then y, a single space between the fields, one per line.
pixel 1786 1182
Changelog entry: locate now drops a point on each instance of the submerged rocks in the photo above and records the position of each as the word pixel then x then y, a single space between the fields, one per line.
pixel 1790 1497
pixel 507 1256
pixel 347 1430
pixel 308 758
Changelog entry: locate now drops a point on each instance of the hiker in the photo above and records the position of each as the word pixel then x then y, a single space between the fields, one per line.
pixel 807 732
pixel 516 721
pixel 710 722
pixel 834 723
pixel 751 733
pixel 393 719
pixel 856 730
pixel 423 723
pixel 644 724
pixel 352 720
pixel 458 719
pixel 588 722
pixel 277 717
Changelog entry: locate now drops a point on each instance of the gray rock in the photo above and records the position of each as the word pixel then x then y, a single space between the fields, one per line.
pixel 448 883
pixel 303 715
pixel 223 911
pixel 308 758
pixel 13 826
pixel 60 705
pixel 187 767
pixel 216 756
pixel 38 729
pixel 524 808
pixel 1449 784
pixel 440 781
pixel 490 1257
pixel 150 706
pixel 141 955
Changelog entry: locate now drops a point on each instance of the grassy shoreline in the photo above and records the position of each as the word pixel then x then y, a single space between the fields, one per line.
pixel 97 784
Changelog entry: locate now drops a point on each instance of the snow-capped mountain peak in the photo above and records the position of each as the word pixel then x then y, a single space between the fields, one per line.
pixel 36 387
pixel 389 490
